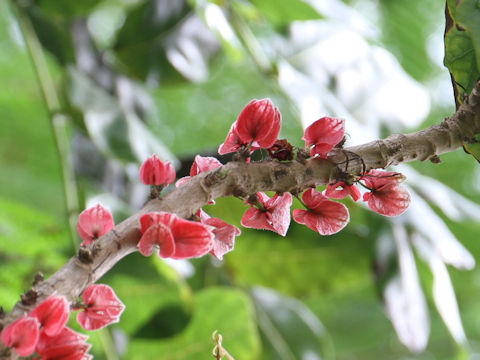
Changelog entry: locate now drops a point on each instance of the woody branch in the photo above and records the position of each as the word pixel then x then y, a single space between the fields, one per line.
pixel 241 180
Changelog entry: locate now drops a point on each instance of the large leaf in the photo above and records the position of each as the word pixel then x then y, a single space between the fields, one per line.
pixel 462 46
pixel 30 241
pixel 227 310
pixel 283 14
pixel 162 38
pixel 290 331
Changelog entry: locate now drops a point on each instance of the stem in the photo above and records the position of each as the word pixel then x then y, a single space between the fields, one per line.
pixel 58 120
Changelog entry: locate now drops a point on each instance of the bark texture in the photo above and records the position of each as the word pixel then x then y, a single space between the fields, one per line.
pixel 241 179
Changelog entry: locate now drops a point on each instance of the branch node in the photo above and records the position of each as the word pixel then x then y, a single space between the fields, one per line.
pixel 30 297
pixel 85 255
pixel 39 277
pixel 435 159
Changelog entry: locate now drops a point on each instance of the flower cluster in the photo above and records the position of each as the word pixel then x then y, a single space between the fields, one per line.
pixel 258 127
pixel 44 330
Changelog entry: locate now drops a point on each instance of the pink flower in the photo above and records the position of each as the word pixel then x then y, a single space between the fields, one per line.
pixel 386 196
pixel 273 215
pixel 178 238
pixel 258 124
pixel 323 215
pixel 102 307
pixel 201 164
pixel 333 192
pixel 22 335
pixel 93 223
pixel 156 172
pixel 324 134
pixel 67 345
pixel 225 234
pixel 52 314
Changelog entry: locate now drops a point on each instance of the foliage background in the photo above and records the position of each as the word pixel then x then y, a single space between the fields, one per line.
pixel 327 300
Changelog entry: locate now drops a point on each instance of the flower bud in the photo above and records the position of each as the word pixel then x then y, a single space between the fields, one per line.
pixel 156 172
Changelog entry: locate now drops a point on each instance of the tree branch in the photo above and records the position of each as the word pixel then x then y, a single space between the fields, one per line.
pixel 241 179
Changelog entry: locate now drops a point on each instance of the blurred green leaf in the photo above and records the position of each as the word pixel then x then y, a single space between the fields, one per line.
pixel 66 8
pixel 147 287
pixel 141 41
pixel 462 46
pixel 224 309
pixel 283 14
pixel 30 241
pixel 289 329
pixel 51 33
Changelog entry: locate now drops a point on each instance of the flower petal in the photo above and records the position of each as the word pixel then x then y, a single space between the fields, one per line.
pixel 22 335
pixel 52 314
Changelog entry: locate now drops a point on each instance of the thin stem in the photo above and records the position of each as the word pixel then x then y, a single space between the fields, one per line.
pixel 107 344
pixel 58 120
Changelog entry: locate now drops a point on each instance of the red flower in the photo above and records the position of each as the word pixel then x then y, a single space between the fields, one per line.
pixel 178 238
pixel 258 124
pixel 323 215
pixel 156 172
pixel 52 314
pixel 22 335
pixel 201 164
pixel 386 196
pixel 333 192
pixel 273 215
pixel 225 234
pixel 102 307
pixel 67 345
pixel 324 134
pixel 93 223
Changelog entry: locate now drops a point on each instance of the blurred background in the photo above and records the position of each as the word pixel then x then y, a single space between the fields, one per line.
pixel 89 89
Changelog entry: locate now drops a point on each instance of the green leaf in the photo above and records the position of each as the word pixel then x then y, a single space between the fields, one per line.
pixel 280 15
pixel 141 41
pixel 290 331
pixel 462 46
pixel 30 241
pixel 226 310
pixel 474 148
pixel 67 8
pixel 148 287
pixel 51 33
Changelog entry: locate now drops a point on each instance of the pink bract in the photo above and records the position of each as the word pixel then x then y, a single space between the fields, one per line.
pixel 386 197
pixel 22 335
pixel 188 238
pixel 259 122
pixel 103 307
pixel 276 216
pixel 324 134
pixel 232 142
pixel 93 223
pixel 52 314
pixel 225 234
pixel 156 172
pixel 67 345
pixel 201 164
pixel 333 191
pixel 325 216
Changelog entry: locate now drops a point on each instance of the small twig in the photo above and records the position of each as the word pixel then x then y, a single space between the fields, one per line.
pixel 219 351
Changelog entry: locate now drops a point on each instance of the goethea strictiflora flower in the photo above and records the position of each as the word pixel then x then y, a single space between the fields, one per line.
pixel 68 344
pixel 323 135
pixel 52 314
pixel 201 164
pixel 271 214
pixel 102 307
pixel 325 216
pixel 386 196
pixel 93 223
pixel 258 124
pixel 22 335
pixel 177 238
pixel 157 172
